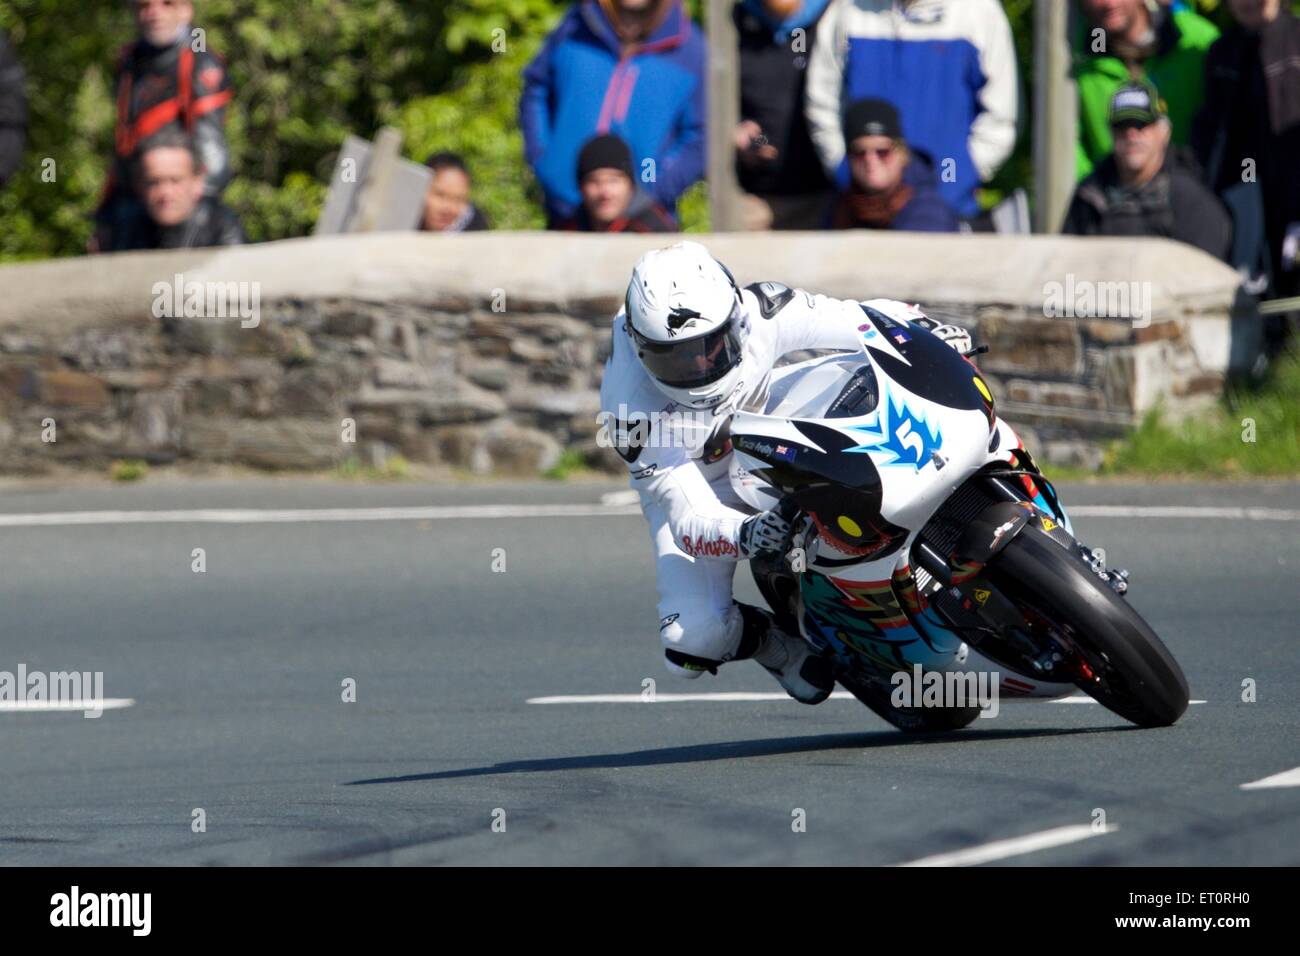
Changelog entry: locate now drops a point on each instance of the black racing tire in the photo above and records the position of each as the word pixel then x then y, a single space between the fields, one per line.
pixel 1140 679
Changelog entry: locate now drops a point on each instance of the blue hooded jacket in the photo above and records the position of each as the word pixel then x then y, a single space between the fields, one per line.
pixel 948 66
pixel 582 84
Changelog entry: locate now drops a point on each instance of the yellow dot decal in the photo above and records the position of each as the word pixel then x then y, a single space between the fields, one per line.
pixel 984 389
pixel 849 526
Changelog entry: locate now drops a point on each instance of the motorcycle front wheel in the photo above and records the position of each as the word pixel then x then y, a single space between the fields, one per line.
pixel 1117 658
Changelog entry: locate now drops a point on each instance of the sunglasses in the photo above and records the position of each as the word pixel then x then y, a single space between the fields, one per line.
pixel 881 153
pixel 1129 124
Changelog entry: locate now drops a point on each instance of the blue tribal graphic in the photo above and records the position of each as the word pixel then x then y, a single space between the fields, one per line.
pixel 908 437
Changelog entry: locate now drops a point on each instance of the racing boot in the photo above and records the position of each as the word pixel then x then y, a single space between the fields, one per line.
pixel 805 675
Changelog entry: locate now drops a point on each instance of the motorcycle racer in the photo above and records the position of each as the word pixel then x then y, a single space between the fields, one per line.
pixel 690 347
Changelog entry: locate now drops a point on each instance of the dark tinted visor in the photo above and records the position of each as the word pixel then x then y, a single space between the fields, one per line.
pixel 693 362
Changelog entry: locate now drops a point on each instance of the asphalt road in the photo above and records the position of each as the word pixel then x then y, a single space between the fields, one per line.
pixel 237 674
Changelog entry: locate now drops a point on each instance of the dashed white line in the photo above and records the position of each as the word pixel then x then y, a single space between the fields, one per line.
pixel 1287 778
pixel 41 706
pixel 304 515
pixel 628 496
pixel 743 696
pixel 658 698
pixel 1089 700
pixel 618 506
pixel 1183 511
pixel 1016 846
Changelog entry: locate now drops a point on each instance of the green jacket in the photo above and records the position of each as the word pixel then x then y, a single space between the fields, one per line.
pixel 1176 70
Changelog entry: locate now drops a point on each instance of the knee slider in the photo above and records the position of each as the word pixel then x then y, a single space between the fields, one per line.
pixel 688 665
pixel 696 642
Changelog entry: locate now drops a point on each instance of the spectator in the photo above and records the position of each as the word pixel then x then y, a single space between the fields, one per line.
pixel 891 186
pixel 775 161
pixel 634 68
pixel 1129 40
pixel 13 111
pixel 1251 123
pixel 950 69
pixel 611 199
pixel 1145 188
pixel 447 205
pixel 163 82
pixel 176 213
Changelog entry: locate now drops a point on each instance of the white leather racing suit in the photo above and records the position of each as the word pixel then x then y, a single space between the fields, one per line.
pixel 679 463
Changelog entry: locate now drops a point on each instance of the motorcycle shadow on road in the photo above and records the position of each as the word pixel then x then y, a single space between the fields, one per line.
pixel 739 750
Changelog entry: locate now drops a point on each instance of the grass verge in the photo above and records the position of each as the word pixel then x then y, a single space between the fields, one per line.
pixel 1253 432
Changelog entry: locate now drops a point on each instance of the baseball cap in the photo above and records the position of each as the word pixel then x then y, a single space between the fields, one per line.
pixel 1136 103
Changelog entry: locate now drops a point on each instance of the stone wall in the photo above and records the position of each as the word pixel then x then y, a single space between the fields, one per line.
pixel 483 352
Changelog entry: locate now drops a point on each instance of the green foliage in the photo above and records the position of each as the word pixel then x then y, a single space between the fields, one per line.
pixel 571 464
pixel 1018 171
pixel 128 469
pixel 693 208
pixel 43 209
pixel 307 72
pixel 393 468
pixel 478 115
pixel 1213 444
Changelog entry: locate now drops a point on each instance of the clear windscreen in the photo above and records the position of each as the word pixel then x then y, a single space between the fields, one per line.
pixel 834 386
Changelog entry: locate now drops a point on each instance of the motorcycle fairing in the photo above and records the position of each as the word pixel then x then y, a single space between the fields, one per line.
pixel 870 481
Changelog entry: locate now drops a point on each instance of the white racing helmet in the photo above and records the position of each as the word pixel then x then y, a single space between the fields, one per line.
pixel 686 324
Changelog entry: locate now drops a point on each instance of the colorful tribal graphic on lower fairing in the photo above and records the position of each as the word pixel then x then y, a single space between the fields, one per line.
pixel 875 599
pixel 1025 480
pixel 865 617
pixel 905 588
pixel 963 571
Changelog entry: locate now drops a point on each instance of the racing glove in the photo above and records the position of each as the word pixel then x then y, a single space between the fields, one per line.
pixel 954 335
pixel 765 531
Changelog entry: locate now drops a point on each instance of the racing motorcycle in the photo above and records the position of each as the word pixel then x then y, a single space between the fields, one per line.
pixel 925 539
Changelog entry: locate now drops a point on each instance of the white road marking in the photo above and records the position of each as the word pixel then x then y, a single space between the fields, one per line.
pixel 743 696
pixel 301 515
pixel 1016 846
pixel 1287 778
pixel 41 706
pixel 628 496
pixel 1183 511
pixel 1080 699
pixel 488 512
pixel 670 698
